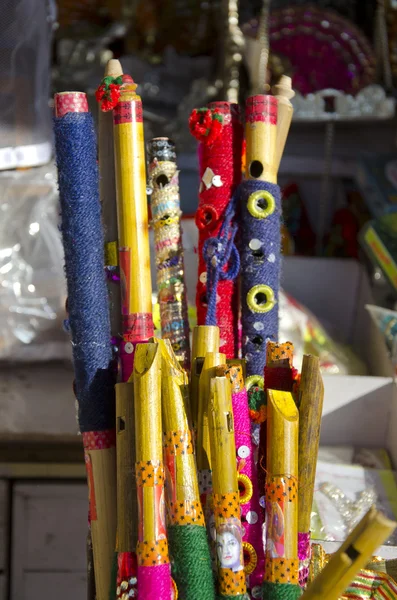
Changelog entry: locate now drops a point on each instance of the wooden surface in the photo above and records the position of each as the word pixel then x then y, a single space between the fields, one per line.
pixel 49 528
pixel 127 533
pixel 310 404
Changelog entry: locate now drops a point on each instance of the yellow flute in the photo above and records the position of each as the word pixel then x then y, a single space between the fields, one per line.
pixel 351 557
pixel 225 496
pixel 133 230
pixel 152 547
pixel 203 449
pixel 282 565
pixel 205 339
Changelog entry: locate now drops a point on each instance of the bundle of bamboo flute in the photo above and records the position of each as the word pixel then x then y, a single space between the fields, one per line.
pixel 191 513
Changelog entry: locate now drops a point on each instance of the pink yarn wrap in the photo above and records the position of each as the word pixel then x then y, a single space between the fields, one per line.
pixel 154 583
pixel 253 531
pixel 304 553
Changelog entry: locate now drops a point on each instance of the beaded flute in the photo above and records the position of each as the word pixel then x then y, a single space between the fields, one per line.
pixel 251 515
pixel 260 233
pixel 170 271
pixel 220 133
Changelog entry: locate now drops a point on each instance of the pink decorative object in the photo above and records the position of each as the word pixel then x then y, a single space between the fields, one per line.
pixel 324 49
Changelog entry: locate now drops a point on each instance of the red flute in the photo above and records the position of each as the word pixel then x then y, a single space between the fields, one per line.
pixel 220 159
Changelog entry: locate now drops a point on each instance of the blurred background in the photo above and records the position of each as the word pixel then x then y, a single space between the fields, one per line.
pixel 339 182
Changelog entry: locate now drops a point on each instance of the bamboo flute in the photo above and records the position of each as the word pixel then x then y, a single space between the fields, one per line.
pixel 351 557
pixel 310 405
pixel 136 304
pixel 251 515
pixel 203 449
pixel 284 93
pixel 225 495
pixel 89 321
pixel 282 564
pixel 107 192
pixel 188 544
pixel 133 230
pixel 205 339
pixel 170 269
pixel 154 572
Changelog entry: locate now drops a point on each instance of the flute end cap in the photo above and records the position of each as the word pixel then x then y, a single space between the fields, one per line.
pixel 113 68
pixel 284 88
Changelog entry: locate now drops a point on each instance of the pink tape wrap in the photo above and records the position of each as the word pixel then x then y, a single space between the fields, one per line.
pixel 251 515
pixel 304 553
pixel 154 583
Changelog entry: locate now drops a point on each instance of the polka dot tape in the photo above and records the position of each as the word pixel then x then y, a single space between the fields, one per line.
pixel 66 102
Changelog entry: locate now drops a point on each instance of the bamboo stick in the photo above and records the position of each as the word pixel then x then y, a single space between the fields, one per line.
pixel 107 193
pixel 203 450
pixel 281 489
pixel 351 557
pixel 310 404
pixel 127 532
pixel 283 92
pixel 225 487
pixel 133 230
pixel 205 339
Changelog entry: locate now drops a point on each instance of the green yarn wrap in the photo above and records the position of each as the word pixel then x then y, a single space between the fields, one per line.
pixel 280 591
pixel 113 578
pixel 191 562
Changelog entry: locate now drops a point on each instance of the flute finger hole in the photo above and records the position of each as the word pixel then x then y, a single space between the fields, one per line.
pixel 162 180
pixel 256 169
pixel 203 300
pixel 261 204
pixel 260 299
pixel 257 340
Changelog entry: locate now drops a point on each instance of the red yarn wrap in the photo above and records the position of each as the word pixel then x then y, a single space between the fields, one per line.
pixel 223 155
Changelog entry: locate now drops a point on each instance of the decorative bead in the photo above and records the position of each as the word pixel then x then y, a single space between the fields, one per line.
pixel 252 517
pixel 129 348
pixel 262 501
pixel 254 204
pixel 243 452
pixel 217 181
pixel 271 258
pixel 255 244
pixel 124 586
pixel 258 326
pixel 252 559
pixel 245 488
pixel 254 299
pixel 132 593
pixel 256 592
pixel 133 581
pixel 254 380
pixel 203 277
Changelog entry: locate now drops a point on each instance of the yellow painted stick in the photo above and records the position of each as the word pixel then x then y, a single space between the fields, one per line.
pixel 261 138
pixel 203 450
pixel 180 467
pixel 148 439
pixel 127 510
pixel 283 92
pixel 107 192
pixel 310 404
pixel 133 231
pixel 281 487
pixel 225 494
pixel 351 557
pixel 205 339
